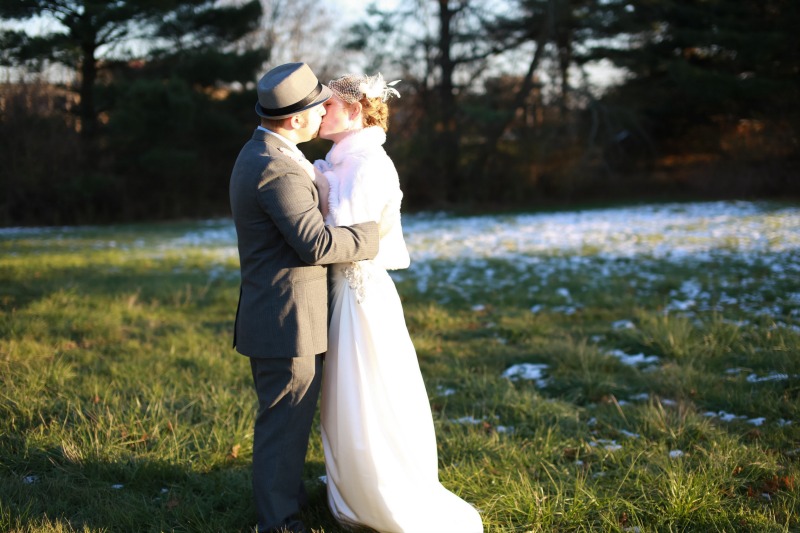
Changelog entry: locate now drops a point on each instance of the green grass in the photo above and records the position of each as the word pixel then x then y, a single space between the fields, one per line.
pixel 123 407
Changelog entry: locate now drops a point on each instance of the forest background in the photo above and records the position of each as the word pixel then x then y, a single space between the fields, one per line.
pixel 124 110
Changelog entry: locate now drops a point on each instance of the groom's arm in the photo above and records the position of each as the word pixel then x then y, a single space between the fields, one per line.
pixel 292 201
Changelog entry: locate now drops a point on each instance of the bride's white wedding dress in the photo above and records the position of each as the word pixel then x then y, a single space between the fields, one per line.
pixel 377 427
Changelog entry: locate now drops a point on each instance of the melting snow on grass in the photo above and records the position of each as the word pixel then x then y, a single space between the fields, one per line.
pixel 455 258
pixel 633 360
pixel 663 231
pixel 606 444
pixel 540 246
pixel 527 371
pixel 672 230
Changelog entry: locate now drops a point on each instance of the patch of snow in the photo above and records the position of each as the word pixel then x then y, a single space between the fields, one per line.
pixel 632 360
pixel 441 391
pixel 724 416
pixel 772 376
pixel 467 420
pixel 528 371
pixel 607 444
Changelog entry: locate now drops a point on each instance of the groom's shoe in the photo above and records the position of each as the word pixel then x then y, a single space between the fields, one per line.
pixel 290 525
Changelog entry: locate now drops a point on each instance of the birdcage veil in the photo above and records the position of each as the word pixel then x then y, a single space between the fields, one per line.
pixel 352 87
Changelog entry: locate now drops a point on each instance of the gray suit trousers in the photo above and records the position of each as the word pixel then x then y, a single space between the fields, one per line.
pixel 287 390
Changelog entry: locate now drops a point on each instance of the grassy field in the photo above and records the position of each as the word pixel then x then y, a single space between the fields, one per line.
pixel 614 370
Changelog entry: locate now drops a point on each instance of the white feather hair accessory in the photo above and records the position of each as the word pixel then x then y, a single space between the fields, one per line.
pixel 351 87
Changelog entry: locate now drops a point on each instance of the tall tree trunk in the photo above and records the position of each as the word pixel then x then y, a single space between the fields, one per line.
pixel 448 126
pixel 564 61
pixel 88 111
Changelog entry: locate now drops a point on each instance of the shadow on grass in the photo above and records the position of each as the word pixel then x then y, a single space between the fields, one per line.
pixel 47 490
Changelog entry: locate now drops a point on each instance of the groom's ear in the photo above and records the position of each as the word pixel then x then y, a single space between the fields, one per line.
pixel 296 122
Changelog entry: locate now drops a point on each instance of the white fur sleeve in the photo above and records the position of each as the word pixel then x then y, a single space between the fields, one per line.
pixel 361 193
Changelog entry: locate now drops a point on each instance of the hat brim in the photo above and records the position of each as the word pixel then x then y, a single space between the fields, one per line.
pixel 321 98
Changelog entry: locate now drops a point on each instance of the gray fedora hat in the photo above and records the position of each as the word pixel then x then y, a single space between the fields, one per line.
pixel 289 89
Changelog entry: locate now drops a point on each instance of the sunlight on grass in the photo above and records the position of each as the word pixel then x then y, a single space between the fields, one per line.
pixel 660 345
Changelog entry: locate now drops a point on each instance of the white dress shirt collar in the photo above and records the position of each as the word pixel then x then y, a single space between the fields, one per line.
pixel 289 143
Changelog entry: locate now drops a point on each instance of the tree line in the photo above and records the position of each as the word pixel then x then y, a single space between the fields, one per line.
pixel 499 107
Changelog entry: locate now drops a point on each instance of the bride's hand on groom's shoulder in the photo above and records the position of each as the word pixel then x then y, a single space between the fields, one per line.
pixel 321 181
pixel 323 165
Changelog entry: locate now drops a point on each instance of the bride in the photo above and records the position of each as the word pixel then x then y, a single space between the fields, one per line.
pixel 377 427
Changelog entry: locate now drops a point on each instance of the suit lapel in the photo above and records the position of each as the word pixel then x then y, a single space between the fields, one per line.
pixel 275 143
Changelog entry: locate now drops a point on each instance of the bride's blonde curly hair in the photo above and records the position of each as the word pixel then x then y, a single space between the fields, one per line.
pixel 371 92
pixel 375 112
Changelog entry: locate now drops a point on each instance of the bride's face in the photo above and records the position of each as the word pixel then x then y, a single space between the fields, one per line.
pixel 338 120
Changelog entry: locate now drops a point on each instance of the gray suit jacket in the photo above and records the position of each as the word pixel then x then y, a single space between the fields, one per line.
pixel 283 247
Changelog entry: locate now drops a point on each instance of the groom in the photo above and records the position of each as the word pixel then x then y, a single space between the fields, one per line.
pixel 281 321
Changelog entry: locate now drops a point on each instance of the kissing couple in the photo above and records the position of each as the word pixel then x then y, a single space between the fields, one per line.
pixel 296 224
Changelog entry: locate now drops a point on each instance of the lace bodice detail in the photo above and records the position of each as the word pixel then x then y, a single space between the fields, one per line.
pixel 358 276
